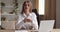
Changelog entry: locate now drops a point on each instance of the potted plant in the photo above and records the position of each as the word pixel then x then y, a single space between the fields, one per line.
pixel 15 7
pixel 2 5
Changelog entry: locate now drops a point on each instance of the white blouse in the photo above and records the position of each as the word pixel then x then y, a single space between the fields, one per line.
pixel 31 16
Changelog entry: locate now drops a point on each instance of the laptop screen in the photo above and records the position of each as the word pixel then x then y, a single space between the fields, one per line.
pixel 46 25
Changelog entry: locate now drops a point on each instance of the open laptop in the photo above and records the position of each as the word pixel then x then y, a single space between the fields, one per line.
pixel 46 25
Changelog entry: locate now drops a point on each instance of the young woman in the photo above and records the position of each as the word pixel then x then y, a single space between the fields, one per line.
pixel 27 19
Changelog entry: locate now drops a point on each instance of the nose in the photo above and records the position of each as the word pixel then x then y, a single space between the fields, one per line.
pixel 26 7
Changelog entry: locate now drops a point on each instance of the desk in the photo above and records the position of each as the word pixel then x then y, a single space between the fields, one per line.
pixel 7 30
pixel 56 30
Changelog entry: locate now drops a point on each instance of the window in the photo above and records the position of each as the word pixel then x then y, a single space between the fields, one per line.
pixel 41 7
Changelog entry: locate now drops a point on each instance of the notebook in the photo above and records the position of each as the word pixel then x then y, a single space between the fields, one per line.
pixel 46 25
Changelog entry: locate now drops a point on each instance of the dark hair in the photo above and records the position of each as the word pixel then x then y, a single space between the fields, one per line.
pixel 24 5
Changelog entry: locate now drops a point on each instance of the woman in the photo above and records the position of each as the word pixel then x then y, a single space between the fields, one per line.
pixel 27 19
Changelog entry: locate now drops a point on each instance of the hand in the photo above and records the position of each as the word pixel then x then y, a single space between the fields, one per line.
pixel 22 28
pixel 31 27
pixel 27 20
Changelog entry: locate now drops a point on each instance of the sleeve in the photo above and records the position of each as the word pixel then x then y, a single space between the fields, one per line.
pixel 35 23
pixel 19 20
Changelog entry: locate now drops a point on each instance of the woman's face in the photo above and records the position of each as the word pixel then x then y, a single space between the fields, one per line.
pixel 26 7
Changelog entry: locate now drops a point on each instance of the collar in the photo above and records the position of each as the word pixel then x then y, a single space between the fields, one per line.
pixel 26 15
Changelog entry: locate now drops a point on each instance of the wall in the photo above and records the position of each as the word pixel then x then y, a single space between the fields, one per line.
pixel 57 13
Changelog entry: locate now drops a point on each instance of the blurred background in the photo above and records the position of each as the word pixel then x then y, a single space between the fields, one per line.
pixel 9 9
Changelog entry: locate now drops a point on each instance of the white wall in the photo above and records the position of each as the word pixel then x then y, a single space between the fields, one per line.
pixel 8 5
pixel 57 13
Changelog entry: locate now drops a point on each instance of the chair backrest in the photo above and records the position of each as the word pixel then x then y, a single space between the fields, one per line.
pixel 46 25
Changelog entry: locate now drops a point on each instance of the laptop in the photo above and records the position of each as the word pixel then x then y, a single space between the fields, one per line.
pixel 46 25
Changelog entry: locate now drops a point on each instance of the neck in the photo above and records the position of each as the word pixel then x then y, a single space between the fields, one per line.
pixel 27 13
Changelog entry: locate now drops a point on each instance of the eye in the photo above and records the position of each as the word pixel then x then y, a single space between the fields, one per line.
pixel 28 5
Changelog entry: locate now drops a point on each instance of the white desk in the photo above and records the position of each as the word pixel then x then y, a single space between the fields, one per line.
pixel 56 30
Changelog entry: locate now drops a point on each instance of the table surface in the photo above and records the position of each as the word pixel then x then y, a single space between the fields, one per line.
pixel 54 30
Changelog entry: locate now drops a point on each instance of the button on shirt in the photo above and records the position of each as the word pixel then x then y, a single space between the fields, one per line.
pixel 31 16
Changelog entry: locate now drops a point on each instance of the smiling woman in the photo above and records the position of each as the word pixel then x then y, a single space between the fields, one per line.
pixel 27 19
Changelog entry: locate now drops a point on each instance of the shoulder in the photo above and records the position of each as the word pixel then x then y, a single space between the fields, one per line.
pixel 33 14
pixel 20 15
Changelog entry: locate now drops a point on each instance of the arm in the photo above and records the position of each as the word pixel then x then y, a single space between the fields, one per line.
pixel 35 23
pixel 19 21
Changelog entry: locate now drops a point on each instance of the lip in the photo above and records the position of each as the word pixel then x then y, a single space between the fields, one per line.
pixel 26 8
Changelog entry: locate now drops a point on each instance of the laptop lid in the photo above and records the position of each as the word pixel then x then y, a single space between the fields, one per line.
pixel 46 25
